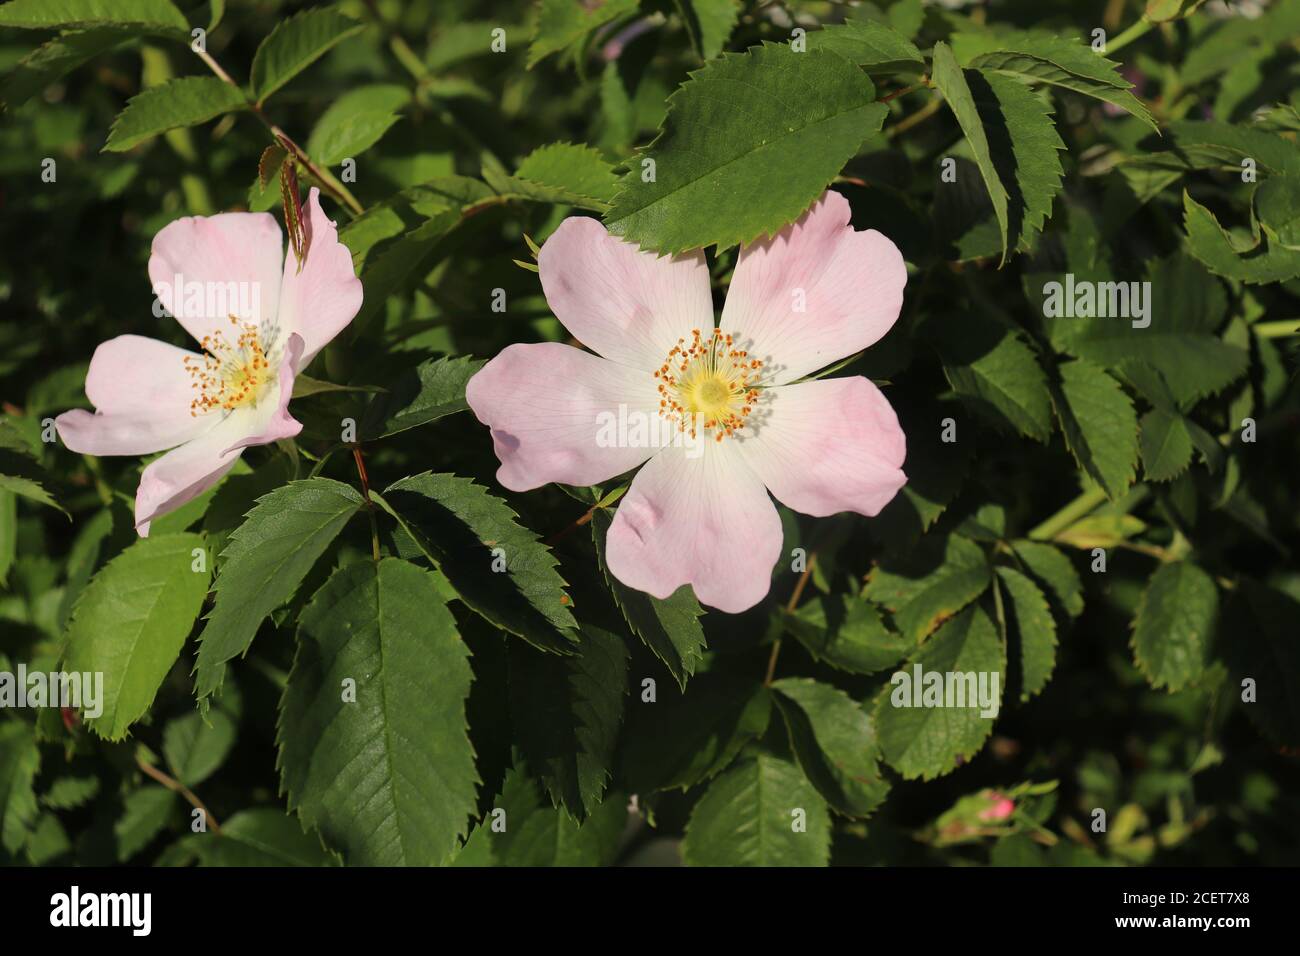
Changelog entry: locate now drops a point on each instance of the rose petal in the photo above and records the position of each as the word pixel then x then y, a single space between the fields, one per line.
pixel 187 471
pixel 218 253
pixel 827 446
pixel 849 285
pixel 142 393
pixel 544 403
pixel 627 305
pixel 322 299
pixel 705 521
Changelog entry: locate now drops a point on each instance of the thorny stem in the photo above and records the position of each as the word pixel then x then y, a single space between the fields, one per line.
pixel 1134 32
pixel 1150 550
pixel 370 505
pixel 569 529
pixel 1276 330
pixel 920 116
pixel 604 502
pixel 790 605
pixel 323 176
pixel 897 93
pixel 177 787
pixel 1076 509
pixel 402 51
pixel 1114 10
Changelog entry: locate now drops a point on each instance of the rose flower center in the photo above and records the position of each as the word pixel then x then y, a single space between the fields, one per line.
pixel 229 375
pixel 708 383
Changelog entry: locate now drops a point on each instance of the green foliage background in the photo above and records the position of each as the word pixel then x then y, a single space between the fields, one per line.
pixel 523 692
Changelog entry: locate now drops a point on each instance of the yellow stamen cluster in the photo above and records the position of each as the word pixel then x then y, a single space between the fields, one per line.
pixel 708 382
pixel 227 376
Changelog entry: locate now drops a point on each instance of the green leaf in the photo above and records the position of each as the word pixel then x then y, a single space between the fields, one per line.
pixel 835 744
pixel 1173 625
pixel 458 40
pixel 30 489
pixel 951 81
pixel 563 173
pixel 1100 530
pixel 1235 39
pixel 1160 11
pixel 1184 305
pixel 1265 650
pixel 131 623
pixel 923 593
pixel 388 271
pixel 467 534
pixel 187 101
pixel 1036 628
pixel 21 472
pixel 390 219
pixel 265 560
pixel 1166 444
pixel 762 812
pixel 1210 145
pixel 264 836
pixel 709 23
pixel 1026 151
pixel 144 814
pixel 356 121
pixel 560 24
pixel 20 758
pixel 670 627
pixel 679 740
pixel 385 773
pixel 432 390
pixel 48 841
pixel 144 16
pixel 1265 259
pixel 542 835
pixel 1099 424
pixel 566 713
pixel 53 60
pixel 750 141
pixel 1019 849
pixel 195 746
pixel 928 741
pixel 305 386
pixel 1024 148
pixel 294 45
pixel 1277 207
pixel 1065 63
pixel 846 632
pixel 8 534
pixel 875 47
pixel 68 793
pixel 991 367
pixel 1050 567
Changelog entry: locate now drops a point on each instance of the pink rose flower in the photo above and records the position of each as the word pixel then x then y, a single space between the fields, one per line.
pixel 999 809
pixel 259 318
pixel 698 513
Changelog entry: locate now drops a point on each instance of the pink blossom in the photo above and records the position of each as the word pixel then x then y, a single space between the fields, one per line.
pixel 999 809
pixel 699 513
pixel 207 407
